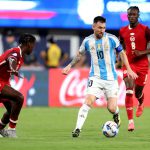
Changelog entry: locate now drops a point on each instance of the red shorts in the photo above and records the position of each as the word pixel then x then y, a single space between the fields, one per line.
pixel 141 72
pixel 2 84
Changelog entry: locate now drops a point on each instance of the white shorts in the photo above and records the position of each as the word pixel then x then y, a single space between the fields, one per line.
pixel 99 87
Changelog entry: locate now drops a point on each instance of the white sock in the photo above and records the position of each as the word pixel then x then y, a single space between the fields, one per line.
pixel 82 115
pixel 9 128
pixel 117 110
pixel 130 121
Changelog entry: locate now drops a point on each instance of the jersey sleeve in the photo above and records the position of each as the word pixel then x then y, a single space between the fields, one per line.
pixel 13 55
pixel 83 48
pixel 147 33
pixel 118 47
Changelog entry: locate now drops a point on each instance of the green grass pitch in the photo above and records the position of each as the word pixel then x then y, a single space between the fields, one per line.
pixel 43 128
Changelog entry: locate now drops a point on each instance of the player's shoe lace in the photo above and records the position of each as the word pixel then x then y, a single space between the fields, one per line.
pixel 117 119
pixel 139 110
pixel 76 133
pixel 11 133
pixel 131 126
pixel 3 133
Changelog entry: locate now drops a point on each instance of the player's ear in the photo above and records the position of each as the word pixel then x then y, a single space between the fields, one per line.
pixel 93 26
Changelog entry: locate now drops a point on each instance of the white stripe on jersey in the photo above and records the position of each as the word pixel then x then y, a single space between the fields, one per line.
pixel 94 58
pixel 102 53
pixel 106 46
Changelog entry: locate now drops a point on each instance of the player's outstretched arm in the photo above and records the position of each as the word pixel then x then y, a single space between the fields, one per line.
pixel 130 73
pixel 72 63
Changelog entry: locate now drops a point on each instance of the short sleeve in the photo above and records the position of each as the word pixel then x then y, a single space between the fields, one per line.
pixel 13 55
pixel 117 44
pixel 82 48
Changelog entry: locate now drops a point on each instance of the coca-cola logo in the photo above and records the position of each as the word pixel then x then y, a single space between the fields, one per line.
pixel 73 90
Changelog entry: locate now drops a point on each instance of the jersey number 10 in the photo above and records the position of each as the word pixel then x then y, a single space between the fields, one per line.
pixel 100 54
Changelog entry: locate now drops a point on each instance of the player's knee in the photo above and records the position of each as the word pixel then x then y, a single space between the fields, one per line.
pixel 112 109
pixel 89 102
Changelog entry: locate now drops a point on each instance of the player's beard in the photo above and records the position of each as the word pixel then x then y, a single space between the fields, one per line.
pixel 133 21
pixel 99 35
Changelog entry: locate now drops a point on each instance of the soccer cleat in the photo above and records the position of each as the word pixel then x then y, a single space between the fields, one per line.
pixel 3 133
pixel 131 126
pixel 139 110
pixel 117 119
pixel 76 133
pixel 11 133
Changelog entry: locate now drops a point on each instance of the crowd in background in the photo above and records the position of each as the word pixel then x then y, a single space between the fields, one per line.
pixel 48 52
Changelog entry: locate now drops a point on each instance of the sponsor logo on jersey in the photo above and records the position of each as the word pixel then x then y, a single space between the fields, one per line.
pixel 132 33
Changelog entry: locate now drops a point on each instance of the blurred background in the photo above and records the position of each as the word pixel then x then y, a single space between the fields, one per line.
pixel 62 25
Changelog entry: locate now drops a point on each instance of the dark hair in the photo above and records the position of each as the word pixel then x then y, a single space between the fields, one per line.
pixel 26 38
pixel 99 19
pixel 51 40
pixel 10 33
pixel 134 7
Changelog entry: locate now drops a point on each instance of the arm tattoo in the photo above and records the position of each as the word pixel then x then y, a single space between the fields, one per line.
pixel 76 59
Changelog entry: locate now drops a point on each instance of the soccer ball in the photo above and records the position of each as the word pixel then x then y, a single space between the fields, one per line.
pixel 110 129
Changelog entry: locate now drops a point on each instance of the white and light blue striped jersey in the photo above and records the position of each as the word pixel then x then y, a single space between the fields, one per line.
pixel 103 55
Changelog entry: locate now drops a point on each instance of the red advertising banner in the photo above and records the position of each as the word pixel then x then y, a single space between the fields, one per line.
pixel 23 85
pixel 33 86
pixel 70 90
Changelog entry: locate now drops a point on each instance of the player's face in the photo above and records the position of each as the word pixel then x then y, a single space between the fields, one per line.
pixel 133 16
pixel 99 29
pixel 30 48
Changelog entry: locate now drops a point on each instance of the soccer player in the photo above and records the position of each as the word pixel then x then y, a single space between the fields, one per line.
pixel 10 63
pixel 135 37
pixel 103 75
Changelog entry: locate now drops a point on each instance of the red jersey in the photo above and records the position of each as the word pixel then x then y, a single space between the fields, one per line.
pixel 14 53
pixel 136 39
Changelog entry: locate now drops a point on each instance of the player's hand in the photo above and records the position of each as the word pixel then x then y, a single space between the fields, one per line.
pixel 15 72
pixel 132 74
pixel 138 53
pixel 66 70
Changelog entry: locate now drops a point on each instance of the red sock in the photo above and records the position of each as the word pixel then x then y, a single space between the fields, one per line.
pixel 129 105
pixel 12 123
